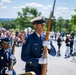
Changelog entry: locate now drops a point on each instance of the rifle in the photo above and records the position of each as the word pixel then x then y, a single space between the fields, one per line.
pixel 44 66
pixel 11 60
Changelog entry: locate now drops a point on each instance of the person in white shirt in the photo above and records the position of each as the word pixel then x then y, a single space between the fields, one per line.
pixel 74 50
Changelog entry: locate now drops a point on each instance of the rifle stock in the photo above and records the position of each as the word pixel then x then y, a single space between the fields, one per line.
pixel 44 66
pixel 45 51
pixel 11 60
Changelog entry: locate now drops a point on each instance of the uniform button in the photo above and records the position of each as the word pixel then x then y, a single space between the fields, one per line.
pixel 7 63
pixel 30 62
pixel 41 48
pixel 35 48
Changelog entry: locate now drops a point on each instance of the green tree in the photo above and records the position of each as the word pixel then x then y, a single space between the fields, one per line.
pixel 1 25
pixel 53 24
pixel 24 17
pixel 67 26
pixel 73 22
pixel 60 24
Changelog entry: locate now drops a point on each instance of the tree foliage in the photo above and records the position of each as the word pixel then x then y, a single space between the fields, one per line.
pixel 73 22
pixel 60 24
pixel 0 24
pixel 24 17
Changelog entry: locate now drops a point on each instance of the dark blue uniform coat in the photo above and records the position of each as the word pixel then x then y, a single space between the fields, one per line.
pixel 4 62
pixel 32 50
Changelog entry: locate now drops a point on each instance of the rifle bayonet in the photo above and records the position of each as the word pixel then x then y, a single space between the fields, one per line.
pixel 52 12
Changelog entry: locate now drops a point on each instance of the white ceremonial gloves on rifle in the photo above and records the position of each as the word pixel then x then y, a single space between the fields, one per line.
pixel 47 43
pixel 8 72
pixel 42 61
pixel 12 57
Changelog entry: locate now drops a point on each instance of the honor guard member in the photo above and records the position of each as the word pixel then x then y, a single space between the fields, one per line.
pixel 32 49
pixel 6 56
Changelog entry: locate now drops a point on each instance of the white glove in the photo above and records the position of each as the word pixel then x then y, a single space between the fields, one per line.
pixel 42 61
pixel 68 42
pixel 12 56
pixel 49 46
pixel 47 43
pixel 9 72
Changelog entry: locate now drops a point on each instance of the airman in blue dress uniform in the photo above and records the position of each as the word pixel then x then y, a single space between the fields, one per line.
pixel 32 48
pixel 5 56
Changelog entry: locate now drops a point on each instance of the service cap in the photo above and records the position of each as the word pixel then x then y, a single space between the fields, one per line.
pixel 38 20
pixel 6 40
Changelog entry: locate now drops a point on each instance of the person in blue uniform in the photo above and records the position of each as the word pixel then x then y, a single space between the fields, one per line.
pixel 32 49
pixel 6 56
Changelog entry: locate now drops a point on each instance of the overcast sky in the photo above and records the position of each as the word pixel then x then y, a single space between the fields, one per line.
pixel 64 8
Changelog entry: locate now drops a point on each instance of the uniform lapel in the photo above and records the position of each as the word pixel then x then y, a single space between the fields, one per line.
pixel 4 54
